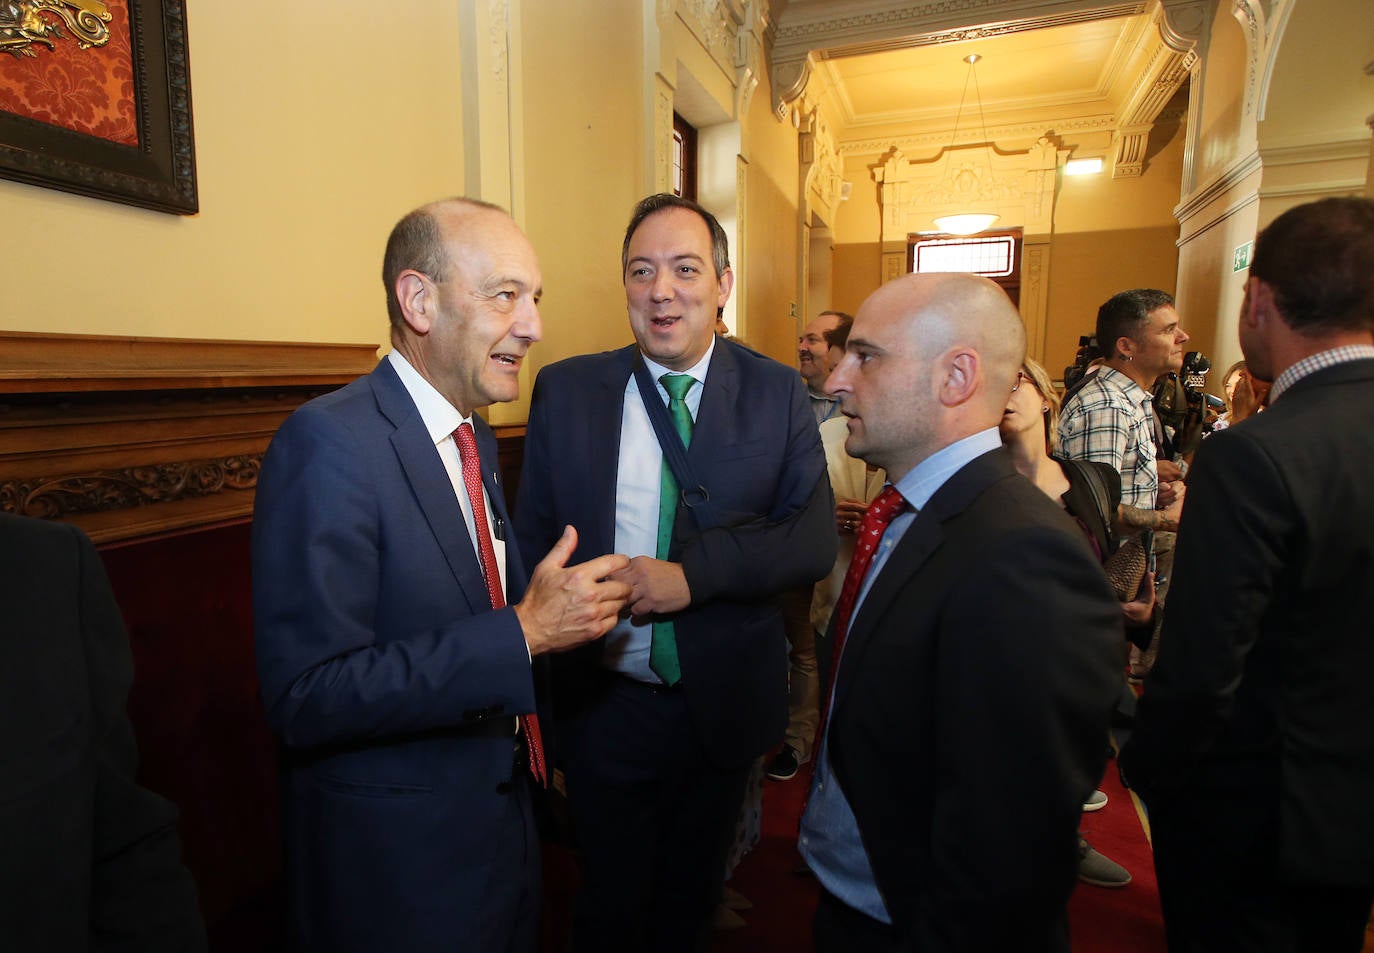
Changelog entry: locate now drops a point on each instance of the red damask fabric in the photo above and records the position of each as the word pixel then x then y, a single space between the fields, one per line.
pixel 88 91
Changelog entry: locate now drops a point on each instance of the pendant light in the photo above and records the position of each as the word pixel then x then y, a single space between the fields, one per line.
pixel 969 222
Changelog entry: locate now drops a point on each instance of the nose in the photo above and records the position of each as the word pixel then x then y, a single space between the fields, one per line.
pixel 661 289
pixel 838 382
pixel 1182 336
pixel 529 326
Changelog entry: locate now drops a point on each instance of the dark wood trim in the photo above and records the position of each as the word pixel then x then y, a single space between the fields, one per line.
pixel 32 362
pixel 136 438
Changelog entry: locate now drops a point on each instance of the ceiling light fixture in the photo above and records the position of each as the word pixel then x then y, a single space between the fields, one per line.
pixel 1083 166
pixel 969 222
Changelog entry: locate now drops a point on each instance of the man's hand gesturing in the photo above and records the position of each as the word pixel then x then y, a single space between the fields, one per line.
pixel 565 606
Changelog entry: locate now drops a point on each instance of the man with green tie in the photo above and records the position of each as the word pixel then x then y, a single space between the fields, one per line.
pixel 700 460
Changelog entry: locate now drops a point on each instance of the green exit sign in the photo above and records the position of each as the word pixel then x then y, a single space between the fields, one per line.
pixel 1241 259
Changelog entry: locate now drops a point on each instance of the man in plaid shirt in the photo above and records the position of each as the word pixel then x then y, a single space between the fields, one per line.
pixel 1110 418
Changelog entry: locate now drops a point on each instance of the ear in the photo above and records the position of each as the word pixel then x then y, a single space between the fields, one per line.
pixel 1125 347
pixel 418 298
pixel 727 284
pixel 1259 305
pixel 959 370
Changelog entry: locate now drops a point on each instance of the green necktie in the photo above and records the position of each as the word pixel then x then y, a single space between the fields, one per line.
pixel 663 647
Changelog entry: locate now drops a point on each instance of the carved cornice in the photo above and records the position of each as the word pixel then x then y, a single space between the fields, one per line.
pixel 1298 153
pixel 1183 23
pixel 905 18
pixel 715 23
pixel 933 141
pixel 129 437
pixel 981 31
pixel 1230 179
pixel 902 25
pixel 73 494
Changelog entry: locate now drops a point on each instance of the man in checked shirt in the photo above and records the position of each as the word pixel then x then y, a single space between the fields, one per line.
pixel 1110 417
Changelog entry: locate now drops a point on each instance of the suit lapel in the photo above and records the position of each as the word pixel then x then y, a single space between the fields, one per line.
pixel 715 428
pixel 489 455
pixel 917 545
pixel 419 460
pixel 602 418
pixel 921 539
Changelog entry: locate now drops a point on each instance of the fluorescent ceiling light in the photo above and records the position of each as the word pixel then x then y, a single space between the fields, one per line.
pixel 969 223
pixel 1083 166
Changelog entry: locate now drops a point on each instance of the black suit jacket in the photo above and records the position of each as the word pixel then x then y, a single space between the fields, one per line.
pixel 88 859
pixel 971 713
pixel 1261 693
pixel 756 448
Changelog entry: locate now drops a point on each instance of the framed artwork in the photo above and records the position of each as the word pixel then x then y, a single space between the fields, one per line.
pixel 95 98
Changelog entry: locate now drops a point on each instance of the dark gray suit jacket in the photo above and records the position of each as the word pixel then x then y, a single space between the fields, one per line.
pixel 1260 701
pixel 971 713
pixel 88 859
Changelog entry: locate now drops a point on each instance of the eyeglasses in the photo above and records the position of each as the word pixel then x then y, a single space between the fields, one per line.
pixel 1021 376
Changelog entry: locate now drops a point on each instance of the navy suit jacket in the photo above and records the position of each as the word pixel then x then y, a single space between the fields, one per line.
pixel 980 670
pixel 756 449
pixel 391 683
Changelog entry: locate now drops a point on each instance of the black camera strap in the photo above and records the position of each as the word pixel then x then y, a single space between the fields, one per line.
pixel 691 490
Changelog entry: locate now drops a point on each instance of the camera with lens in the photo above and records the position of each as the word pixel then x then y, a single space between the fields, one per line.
pixel 1180 404
pixel 1088 351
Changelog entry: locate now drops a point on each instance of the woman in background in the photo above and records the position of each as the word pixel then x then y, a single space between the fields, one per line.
pixel 1029 427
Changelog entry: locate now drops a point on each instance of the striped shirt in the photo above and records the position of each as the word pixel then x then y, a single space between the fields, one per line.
pixel 1110 419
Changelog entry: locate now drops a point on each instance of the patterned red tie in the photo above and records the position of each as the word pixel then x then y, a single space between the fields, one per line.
pixel 472 480
pixel 879 514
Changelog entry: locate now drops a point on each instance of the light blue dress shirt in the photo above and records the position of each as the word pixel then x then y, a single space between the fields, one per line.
pixel 830 842
pixel 637 484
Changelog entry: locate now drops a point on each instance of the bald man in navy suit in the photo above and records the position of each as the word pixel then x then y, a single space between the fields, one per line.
pixel 392 678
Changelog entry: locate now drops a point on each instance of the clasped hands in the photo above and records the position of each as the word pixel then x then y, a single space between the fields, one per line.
pixel 565 606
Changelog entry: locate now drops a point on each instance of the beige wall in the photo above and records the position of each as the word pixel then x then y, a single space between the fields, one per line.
pixel 1111 235
pixel 772 232
pixel 584 138
pixel 1226 133
pixel 310 143
pixel 1313 136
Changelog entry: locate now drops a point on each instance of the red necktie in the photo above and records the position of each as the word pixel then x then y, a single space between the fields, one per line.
pixel 472 480
pixel 879 514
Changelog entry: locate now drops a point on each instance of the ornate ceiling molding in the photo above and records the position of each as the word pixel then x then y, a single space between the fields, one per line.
pixel 1164 70
pixel 930 142
pixel 801 40
pixel 1020 187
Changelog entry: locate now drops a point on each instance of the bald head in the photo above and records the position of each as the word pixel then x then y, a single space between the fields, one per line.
pixel 952 310
pixel 417 243
pixel 930 360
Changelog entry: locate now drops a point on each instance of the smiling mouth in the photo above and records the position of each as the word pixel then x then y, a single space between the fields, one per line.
pixel 507 360
pixel 663 321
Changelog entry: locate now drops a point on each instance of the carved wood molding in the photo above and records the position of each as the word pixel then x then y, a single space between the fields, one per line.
pixel 135 437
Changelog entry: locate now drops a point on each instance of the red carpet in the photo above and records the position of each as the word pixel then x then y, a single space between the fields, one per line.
pixel 1124 920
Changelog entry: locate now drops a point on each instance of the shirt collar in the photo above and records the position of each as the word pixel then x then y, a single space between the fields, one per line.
pixel 697 370
pixel 1317 362
pixel 1136 393
pixel 440 417
pixel 921 483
